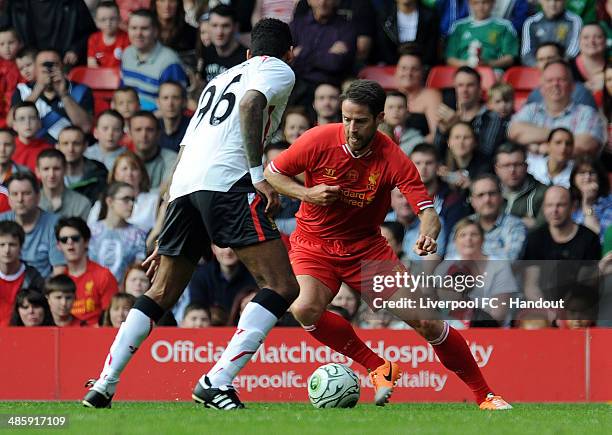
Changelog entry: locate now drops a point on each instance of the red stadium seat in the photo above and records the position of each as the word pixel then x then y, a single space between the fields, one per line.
pixel 520 98
pixel 522 78
pixel 102 81
pixel 385 75
pixel 441 77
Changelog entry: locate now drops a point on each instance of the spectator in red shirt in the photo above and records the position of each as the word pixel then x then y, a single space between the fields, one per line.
pixel 104 48
pixel 15 275
pixel 7 166
pixel 95 285
pixel 60 292
pixel 9 73
pixel 26 123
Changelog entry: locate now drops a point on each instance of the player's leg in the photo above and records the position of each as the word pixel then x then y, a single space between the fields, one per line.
pixel 269 264
pixel 180 246
pixel 450 347
pixel 237 219
pixel 329 328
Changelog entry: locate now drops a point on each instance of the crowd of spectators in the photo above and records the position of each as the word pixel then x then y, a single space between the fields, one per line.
pixel 83 191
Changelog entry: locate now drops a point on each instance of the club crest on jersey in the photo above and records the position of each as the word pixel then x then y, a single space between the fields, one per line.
pixel 373 179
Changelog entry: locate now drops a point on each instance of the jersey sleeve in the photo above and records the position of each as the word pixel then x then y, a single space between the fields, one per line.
pixel 299 156
pixel 273 78
pixel 408 181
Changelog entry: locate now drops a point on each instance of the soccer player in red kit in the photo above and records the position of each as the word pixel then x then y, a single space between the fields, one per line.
pixel 350 170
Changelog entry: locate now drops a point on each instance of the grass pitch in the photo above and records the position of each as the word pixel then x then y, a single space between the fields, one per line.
pixel 283 418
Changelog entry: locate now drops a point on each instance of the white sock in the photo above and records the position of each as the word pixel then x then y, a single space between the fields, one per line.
pixel 253 326
pixel 133 331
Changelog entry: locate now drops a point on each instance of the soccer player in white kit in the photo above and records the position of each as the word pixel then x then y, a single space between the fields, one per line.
pixel 218 194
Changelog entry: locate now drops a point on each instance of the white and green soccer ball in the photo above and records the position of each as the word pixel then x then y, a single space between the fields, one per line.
pixel 333 386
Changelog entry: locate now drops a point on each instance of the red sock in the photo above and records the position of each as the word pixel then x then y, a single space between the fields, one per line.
pixel 338 334
pixel 455 355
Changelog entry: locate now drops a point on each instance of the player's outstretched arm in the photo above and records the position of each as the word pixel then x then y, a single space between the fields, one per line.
pixel 429 230
pixel 321 194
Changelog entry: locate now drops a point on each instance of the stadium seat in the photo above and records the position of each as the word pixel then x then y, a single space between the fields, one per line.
pixel 102 81
pixel 520 98
pixel 522 78
pixel 441 77
pixel 385 75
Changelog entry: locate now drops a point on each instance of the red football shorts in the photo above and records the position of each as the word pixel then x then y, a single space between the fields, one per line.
pixel 334 262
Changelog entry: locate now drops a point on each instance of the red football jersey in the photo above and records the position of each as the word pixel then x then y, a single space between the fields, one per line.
pixel 95 289
pixel 26 155
pixel 107 56
pixel 366 182
pixel 9 287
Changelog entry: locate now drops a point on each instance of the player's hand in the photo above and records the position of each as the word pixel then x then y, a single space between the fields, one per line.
pixel 425 245
pixel 322 194
pixel 271 195
pixel 151 263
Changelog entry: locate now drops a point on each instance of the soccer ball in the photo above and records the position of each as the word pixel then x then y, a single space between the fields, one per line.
pixel 333 386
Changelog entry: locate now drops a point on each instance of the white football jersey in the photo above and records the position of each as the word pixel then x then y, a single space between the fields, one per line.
pixel 213 156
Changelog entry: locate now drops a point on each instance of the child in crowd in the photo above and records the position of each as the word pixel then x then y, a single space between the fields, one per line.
pixel 24 59
pixel 117 312
pixel 136 282
pixel 108 131
pixel 501 100
pixel 396 115
pixel 295 123
pixel 480 39
pixel 126 102
pixel 104 48
pixel 196 316
pixel 31 309
pixel 9 73
pixel 26 122
pixel 60 292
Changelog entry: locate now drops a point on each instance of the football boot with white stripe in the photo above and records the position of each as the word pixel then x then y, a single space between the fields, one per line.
pixel 224 398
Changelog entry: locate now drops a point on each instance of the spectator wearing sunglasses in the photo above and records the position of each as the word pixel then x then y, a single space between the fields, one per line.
pixel 95 284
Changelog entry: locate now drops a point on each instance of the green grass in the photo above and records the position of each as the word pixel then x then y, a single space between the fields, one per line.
pixel 270 419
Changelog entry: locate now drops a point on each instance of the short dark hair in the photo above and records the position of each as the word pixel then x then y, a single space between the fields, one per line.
pixel 469 70
pixel 279 145
pixel 426 148
pixel 145 114
pixel 366 92
pixel 8 131
pixel 107 4
pixel 73 128
pixel 114 114
pixel 23 104
pixel 193 306
pixel 145 13
pixel 24 176
pixel 73 222
pixel 7 28
pixel 60 283
pixel 558 46
pixel 486 176
pixel 410 49
pixel 12 228
pixel 177 84
pixel 51 153
pixel 271 37
pixel 397 94
pixel 26 51
pixel 510 148
pixel 127 89
pixel 223 11
pixel 396 229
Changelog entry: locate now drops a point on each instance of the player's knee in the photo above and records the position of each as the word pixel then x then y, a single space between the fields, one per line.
pixel 306 313
pixel 165 298
pixel 429 329
pixel 286 286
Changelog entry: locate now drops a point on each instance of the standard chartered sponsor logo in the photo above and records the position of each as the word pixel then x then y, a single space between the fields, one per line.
pixel 163 351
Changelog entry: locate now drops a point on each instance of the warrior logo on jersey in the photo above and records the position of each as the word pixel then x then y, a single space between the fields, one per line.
pixel 330 173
